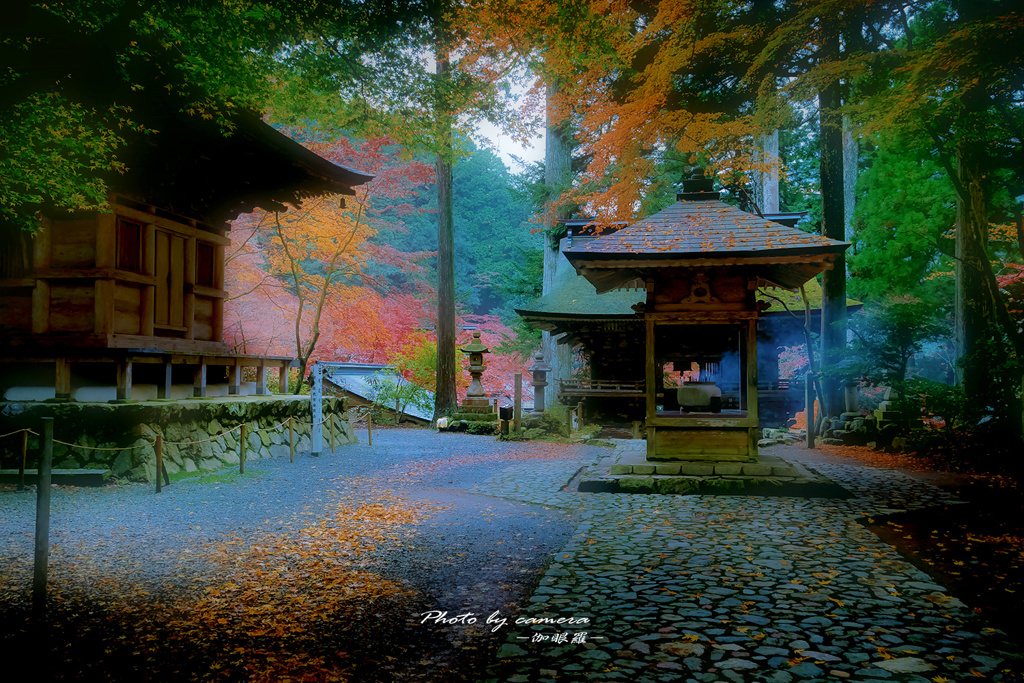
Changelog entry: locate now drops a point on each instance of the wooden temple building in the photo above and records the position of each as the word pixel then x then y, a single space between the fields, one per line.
pixel 129 303
pixel 679 315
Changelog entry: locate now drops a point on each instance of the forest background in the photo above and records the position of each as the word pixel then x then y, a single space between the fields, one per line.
pixel 900 129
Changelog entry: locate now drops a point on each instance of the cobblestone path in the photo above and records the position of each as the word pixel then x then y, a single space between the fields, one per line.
pixel 739 588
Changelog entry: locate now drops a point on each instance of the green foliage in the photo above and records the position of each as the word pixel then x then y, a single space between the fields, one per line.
pixel 799 188
pixel 56 152
pixel 526 339
pixel 886 334
pixel 905 205
pixel 958 430
pixel 84 82
pixel 550 424
pixel 494 246
pixel 999 370
pixel 488 428
pixel 417 361
pixel 392 391
pixel 520 284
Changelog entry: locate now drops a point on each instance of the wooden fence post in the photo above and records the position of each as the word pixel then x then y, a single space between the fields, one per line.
pixel 42 555
pixel 241 452
pixel 159 459
pixel 291 438
pixel 24 460
pixel 517 416
pixel 369 429
pixel 809 407
pixel 332 432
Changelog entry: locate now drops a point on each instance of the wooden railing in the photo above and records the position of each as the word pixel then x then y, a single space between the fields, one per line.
pixel 600 387
pixel 781 385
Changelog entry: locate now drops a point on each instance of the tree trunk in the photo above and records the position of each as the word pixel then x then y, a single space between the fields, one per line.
pixel 850 154
pixel 833 304
pixel 766 185
pixel 558 178
pixel 973 314
pixel 445 397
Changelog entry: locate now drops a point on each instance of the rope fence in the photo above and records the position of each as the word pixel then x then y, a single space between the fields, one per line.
pixel 158 441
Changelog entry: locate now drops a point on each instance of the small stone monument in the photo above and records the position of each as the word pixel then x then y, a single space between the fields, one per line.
pixel 476 401
pixel 540 380
pixel 886 412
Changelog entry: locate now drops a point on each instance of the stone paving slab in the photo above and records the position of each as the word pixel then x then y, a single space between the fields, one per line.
pixel 741 588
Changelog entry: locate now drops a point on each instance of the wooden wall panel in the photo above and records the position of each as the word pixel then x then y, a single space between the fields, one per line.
pixel 72 308
pixel 104 303
pixel 162 272
pixel 127 308
pixel 202 331
pixel 41 307
pixel 176 283
pixel 169 303
pixel 73 244
pixel 16 310
pixel 42 244
pixel 202 327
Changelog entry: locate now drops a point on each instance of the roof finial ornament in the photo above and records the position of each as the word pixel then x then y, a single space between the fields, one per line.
pixel 698 188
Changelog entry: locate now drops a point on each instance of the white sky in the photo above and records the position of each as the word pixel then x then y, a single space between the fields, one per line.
pixel 506 146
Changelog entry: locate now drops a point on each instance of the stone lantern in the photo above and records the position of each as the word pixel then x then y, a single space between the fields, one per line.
pixel 540 380
pixel 476 401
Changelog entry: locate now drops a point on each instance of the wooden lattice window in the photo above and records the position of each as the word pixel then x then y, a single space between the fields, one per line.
pixel 204 264
pixel 129 245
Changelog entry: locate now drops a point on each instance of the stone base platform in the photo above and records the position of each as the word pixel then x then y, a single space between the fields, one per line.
pixel 628 471
pixel 64 477
pixel 474 416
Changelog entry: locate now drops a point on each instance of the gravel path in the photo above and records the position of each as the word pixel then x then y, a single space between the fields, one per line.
pixel 151 539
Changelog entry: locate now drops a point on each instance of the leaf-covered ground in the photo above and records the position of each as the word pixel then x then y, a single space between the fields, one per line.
pixel 975 548
pixel 204 584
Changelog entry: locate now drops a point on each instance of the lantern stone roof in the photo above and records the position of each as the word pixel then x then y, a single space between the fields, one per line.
pixel 700 230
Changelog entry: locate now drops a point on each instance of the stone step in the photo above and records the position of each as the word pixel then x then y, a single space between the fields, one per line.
pixel 64 477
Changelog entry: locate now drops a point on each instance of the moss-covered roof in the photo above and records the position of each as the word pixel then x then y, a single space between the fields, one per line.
pixel 793 299
pixel 573 297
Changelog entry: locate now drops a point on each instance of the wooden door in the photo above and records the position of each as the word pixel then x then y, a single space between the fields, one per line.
pixel 170 282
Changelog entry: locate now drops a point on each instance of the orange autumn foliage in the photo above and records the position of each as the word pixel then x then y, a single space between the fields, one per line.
pixel 300 281
pixel 618 70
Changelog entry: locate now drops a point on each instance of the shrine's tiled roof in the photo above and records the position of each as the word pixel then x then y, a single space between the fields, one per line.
pixel 705 229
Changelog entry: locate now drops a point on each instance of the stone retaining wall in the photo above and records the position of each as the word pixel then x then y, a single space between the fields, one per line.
pixel 129 430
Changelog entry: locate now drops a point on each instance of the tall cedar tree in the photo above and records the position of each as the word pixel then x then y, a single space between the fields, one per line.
pixel 445 397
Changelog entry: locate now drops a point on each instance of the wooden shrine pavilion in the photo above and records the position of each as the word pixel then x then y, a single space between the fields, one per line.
pixel 606 326
pixel 699 264
pixel 94 299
